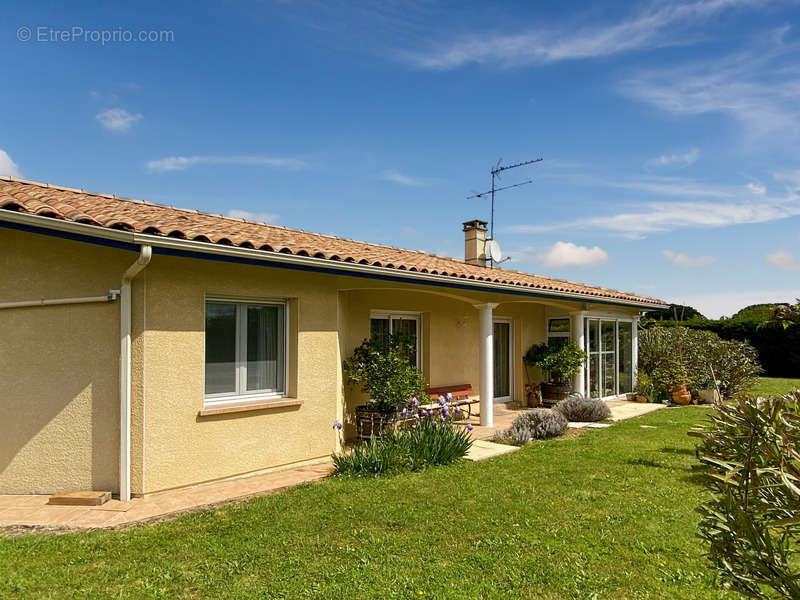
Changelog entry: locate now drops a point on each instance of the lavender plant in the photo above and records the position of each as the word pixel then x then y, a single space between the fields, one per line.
pixel 535 424
pixel 576 407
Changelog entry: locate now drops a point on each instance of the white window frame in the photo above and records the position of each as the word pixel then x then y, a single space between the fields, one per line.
pixel 401 314
pixel 242 395
pixel 564 334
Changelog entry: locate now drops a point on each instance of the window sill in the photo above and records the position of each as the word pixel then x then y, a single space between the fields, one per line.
pixel 247 406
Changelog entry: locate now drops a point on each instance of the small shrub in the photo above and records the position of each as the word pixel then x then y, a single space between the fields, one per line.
pixel 382 367
pixel 536 424
pixel 585 410
pixel 434 443
pixel 376 456
pixel 561 361
pixel 425 443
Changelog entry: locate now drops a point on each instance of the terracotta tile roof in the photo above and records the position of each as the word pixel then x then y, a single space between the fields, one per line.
pixel 138 216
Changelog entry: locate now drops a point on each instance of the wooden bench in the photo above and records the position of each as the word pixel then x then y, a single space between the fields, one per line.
pixel 460 395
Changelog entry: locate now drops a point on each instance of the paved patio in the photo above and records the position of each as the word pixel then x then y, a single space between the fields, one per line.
pixel 34 512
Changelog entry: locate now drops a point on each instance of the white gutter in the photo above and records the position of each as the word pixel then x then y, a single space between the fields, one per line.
pixel 145 254
pixel 110 297
pixel 275 257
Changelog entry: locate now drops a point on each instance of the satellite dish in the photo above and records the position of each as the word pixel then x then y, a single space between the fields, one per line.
pixel 493 251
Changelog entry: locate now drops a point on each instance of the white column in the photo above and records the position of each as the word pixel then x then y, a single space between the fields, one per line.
pixel 635 350
pixel 579 337
pixel 487 363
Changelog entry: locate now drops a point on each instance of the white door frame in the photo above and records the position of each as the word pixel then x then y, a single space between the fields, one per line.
pixel 601 363
pixel 510 322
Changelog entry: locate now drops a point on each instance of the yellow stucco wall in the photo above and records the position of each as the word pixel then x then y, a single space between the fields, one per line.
pixel 59 401
pixel 182 448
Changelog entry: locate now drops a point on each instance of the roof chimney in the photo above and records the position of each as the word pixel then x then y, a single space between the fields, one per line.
pixel 475 242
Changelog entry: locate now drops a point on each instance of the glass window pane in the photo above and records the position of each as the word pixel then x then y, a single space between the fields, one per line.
pixel 594 336
pixel 406 330
pixel 609 374
pixel 625 357
pixel 265 343
pixel 559 326
pixel 594 375
pixel 607 338
pixel 379 331
pixel 220 348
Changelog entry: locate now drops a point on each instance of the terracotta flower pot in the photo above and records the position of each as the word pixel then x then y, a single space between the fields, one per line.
pixel 680 395
pixel 641 398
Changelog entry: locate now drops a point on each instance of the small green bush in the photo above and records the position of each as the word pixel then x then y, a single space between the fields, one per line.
pixel 425 443
pixel 382 367
pixel 535 424
pixel 561 361
pixel 585 410
pixel 382 455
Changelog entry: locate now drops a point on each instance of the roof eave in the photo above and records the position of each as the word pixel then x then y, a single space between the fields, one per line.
pixel 191 246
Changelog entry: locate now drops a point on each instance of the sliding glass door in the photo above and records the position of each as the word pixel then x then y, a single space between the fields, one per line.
pixel 609 345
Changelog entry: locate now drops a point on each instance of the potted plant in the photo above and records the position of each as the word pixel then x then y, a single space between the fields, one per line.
pixel 560 363
pixel 645 389
pixel 382 367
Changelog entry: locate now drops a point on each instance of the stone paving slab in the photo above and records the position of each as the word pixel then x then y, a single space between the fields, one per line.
pixel 622 410
pixel 482 449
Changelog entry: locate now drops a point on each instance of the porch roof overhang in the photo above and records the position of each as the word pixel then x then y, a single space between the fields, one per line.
pixel 167 246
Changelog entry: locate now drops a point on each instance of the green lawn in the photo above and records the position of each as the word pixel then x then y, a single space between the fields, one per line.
pixel 775 386
pixel 610 514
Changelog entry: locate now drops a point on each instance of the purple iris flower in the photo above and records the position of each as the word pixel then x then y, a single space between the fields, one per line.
pixel 469 427
pixel 337 425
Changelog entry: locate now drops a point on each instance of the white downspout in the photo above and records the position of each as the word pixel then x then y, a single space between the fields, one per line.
pixel 145 254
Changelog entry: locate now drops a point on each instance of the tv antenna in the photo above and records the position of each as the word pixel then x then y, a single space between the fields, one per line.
pixel 499 168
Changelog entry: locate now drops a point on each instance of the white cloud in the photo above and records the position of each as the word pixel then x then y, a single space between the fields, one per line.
pixel 681 160
pixel 721 304
pixel 257 217
pixel 667 216
pixel 567 254
pixel 117 119
pixel 180 163
pixel 679 259
pixel 759 88
pixel 658 26
pixel 397 177
pixel 757 188
pixel 8 166
pixel 783 259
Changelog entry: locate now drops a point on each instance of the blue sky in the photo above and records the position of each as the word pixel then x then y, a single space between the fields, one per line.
pixel 669 130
